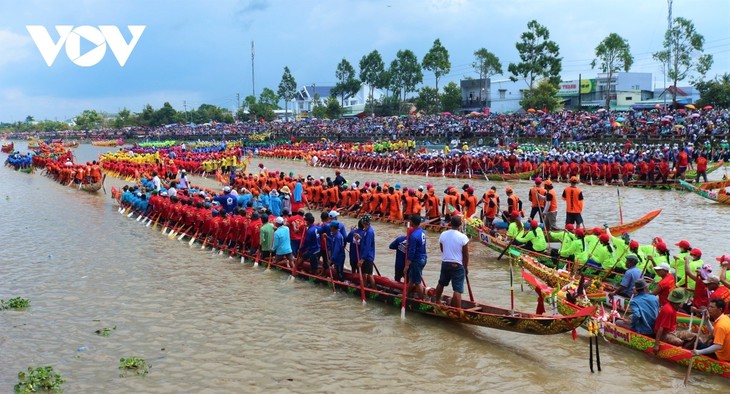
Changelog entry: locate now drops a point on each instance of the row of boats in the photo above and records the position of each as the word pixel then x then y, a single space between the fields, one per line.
pixel 541 276
pixel 570 315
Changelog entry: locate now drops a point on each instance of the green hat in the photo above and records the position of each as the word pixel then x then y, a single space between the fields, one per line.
pixel 677 296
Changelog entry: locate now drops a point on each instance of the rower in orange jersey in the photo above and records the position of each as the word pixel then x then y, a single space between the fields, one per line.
pixel 432 204
pixel 413 204
pixel 451 201
pixel 394 205
pixel 514 204
pixel 470 202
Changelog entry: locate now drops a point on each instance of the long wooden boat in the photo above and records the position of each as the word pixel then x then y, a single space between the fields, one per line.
pixel 721 197
pixel 712 185
pixel 642 343
pixel 90 187
pixel 389 292
pixel 110 143
pixel 8 148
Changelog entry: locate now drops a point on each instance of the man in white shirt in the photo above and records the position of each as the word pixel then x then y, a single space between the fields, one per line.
pixel 454 261
pixel 156 181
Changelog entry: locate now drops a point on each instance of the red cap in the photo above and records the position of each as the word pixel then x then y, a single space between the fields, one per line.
pixel 579 232
pixel 604 238
pixel 574 179
pixel 661 247
pixel 633 244
pixel 533 223
pixel 596 231
pixel 683 244
pixel 538 180
pixel 657 240
pixel 514 214
pixel 470 189
pixel 723 258
pixel 570 227
pixel 696 252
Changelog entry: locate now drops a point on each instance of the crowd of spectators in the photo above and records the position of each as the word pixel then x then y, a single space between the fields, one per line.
pixel 684 124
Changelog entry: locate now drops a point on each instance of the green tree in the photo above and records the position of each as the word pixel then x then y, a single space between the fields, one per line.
pixel 123 119
pixel 437 61
pixel 539 56
pixel 371 68
pixel 268 97
pixel 427 100
pixel 333 108
pixel 29 119
pixel 683 53
pixel 614 55
pixel 145 117
pixel 287 90
pixel 88 120
pixel 347 85
pixel 715 92
pixel 486 64
pixel 319 110
pixel 543 96
pixel 164 115
pixel 408 72
pixel 451 98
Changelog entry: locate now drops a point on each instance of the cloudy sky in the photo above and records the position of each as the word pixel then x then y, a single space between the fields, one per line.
pixel 195 52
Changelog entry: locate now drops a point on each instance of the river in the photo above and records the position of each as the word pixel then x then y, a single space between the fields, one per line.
pixel 208 324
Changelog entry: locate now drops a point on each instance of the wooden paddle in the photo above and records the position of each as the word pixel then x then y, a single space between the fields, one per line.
pixel 362 282
pixel 405 281
pixel 332 276
pixel 692 361
pixel 506 248
pixel 468 286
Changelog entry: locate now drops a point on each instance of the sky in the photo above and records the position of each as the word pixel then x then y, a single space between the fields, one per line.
pixel 196 52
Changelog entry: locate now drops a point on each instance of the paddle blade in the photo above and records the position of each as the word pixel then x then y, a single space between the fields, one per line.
pixel 403 312
pixel 149 223
pixel 242 260
pixel 181 237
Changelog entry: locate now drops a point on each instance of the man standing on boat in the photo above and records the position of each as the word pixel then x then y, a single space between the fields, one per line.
pixel 266 241
pixel 416 257
pixel 282 243
pixel 366 244
pixel 573 197
pixel 454 261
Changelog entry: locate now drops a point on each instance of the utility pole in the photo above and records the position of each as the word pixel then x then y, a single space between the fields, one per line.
pixel 669 58
pixel 238 103
pixel 185 106
pixel 579 91
pixel 253 80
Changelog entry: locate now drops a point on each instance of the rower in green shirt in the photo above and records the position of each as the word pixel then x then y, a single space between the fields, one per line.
pixel 678 262
pixel 534 238
pixel 266 237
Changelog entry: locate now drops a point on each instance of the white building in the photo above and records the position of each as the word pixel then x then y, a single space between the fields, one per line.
pixel 304 99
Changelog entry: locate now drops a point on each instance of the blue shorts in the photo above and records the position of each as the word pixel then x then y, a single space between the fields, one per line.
pixel 295 246
pixel 454 273
pixel 415 271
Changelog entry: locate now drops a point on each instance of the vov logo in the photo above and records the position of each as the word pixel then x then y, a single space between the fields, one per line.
pixel 71 36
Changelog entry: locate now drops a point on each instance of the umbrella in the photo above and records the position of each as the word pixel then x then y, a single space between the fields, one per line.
pixel 446 113
pixel 695 115
pixel 707 107
pixel 539 111
pixel 531 110
pixel 690 106
pixel 620 119
pixel 601 110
